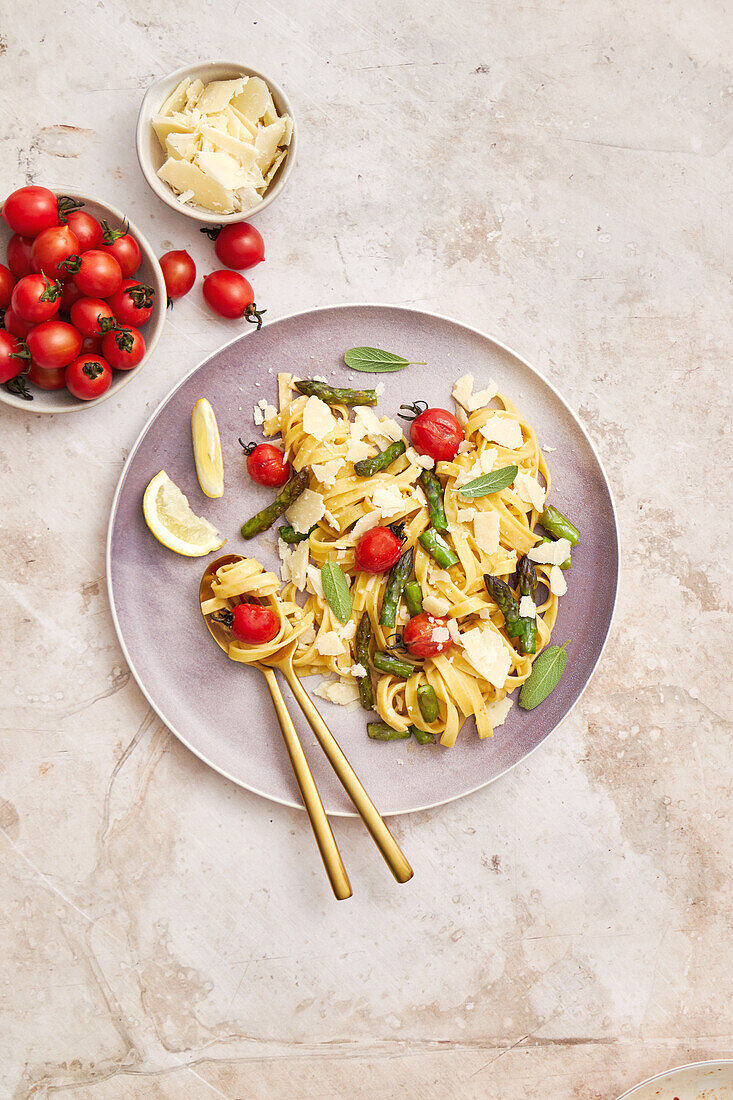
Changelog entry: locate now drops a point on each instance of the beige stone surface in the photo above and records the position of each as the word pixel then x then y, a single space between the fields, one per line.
pixel 555 173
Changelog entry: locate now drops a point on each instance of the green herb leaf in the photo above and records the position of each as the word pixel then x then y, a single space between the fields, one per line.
pixel 489 483
pixel 544 678
pixel 375 361
pixel 336 591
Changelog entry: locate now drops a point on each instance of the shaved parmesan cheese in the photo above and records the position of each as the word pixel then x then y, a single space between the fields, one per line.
pixel 345 693
pixel 253 100
pixel 425 462
pixel 558 584
pixel 390 428
pixel 326 472
pixel 306 510
pixel 299 565
pixel 498 711
pixel 258 415
pixel 527 607
pixel 369 420
pixel 358 449
pixel 454 631
pixel 285 552
pixel 358 670
pixel 440 635
pixel 367 521
pixel 177 99
pixel 465 445
pixel 550 553
pixel 181 175
pixel 313 581
pixel 502 430
pixel 470 401
pixel 388 499
pixel 223 168
pixel 348 630
pixel 218 93
pixel 486 531
pixel 485 650
pixel 486 460
pixel 266 142
pixel 318 420
pixel 529 489
pixel 308 636
pixel 329 644
pixel 436 605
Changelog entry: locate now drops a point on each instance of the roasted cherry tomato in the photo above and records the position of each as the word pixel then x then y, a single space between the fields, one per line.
pixel 51 249
pixel 92 316
pixel 377 550
pixel 19 255
pixel 35 299
pixel 133 303
pixel 69 295
pixel 30 210
pixel 437 433
pixel 13 356
pixel 123 246
pixel 266 465
pixel 179 272
pixel 7 282
pixel 239 245
pixel 254 624
pixel 16 325
pixel 426 635
pixel 53 344
pixel 96 274
pixel 123 348
pixel 88 377
pixel 230 295
pixel 85 228
pixel 47 379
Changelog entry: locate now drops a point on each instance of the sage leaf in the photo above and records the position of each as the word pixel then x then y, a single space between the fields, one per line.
pixel 489 483
pixel 544 678
pixel 376 361
pixel 336 590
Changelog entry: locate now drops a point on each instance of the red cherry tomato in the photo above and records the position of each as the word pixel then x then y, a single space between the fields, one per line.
pixel 85 228
pixel 436 433
pixel 7 282
pixel 35 299
pixel 13 356
pixel 92 316
pixel 47 379
pixel 91 345
pixel 51 248
pixel 69 295
pixel 377 550
pixel 230 295
pixel 123 246
pixel 96 274
pixel 240 245
pixel 426 635
pixel 19 255
pixel 88 377
pixel 179 272
pixel 254 624
pixel 124 348
pixel 30 210
pixel 133 303
pixel 16 325
pixel 266 465
pixel 53 344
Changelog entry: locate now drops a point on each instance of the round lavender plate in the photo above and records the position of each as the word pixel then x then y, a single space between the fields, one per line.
pixel 220 709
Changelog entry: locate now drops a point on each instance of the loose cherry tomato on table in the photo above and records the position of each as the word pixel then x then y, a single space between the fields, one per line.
pixel 239 245
pixel 179 272
pixel 35 299
pixel 427 635
pixel 123 246
pixel 51 249
pixel 16 325
pixel 123 348
pixel 53 344
pixel 254 624
pixel 85 228
pixel 133 303
pixel 266 464
pixel 230 295
pixel 7 282
pixel 377 550
pixel 19 255
pixel 88 377
pixel 14 356
pixel 69 295
pixel 95 273
pixel 47 379
pixel 30 210
pixel 434 432
pixel 92 316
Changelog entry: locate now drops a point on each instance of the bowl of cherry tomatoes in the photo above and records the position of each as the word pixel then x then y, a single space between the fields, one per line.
pixel 82 299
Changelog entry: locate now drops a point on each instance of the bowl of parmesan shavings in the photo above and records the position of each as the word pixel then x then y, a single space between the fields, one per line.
pixel 216 141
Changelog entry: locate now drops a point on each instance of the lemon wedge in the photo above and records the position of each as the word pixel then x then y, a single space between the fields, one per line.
pixel 207 449
pixel 169 517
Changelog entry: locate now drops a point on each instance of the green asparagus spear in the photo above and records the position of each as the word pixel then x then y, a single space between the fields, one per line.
pixel 413 597
pixel 289 534
pixel 434 493
pixel 386 662
pixel 367 467
pixel 507 603
pixel 380 731
pixel 333 395
pixel 287 496
pixel 363 638
pixel 567 563
pixel 427 700
pixel 438 548
pixel 556 524
pixel 527 582
pixel 396 581
pixel 423 737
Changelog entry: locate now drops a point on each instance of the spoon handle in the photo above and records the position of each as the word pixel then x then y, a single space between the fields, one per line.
pixel 381 835
pixel 321 828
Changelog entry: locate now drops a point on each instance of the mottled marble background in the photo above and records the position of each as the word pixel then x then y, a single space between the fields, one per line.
pixel 555 173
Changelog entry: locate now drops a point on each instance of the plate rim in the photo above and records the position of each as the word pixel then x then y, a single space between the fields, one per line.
pixel 248 334
pixel 710 1062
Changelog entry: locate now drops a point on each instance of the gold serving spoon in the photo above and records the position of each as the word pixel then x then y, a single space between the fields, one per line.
pixel 322 831
pixel 283 660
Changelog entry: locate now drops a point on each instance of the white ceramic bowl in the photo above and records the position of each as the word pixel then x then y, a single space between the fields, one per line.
pixel 149 272
pixel 151 156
